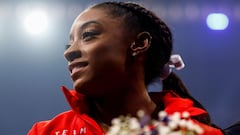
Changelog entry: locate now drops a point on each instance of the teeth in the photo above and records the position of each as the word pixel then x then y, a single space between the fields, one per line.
pixel 74 70
pixel 78 66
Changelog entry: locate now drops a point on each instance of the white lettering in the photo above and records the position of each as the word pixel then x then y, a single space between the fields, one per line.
pixel 74 132
pixel 83 130
pixel 64 132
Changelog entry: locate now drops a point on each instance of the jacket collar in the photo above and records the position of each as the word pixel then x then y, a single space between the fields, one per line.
pixel 78 102
pixel 169 99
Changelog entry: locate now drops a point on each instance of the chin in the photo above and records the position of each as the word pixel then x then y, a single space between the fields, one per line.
pixel 78 84
pixel 82 87
pixel 78 87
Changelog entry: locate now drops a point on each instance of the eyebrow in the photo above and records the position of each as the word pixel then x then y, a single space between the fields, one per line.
pixel 83 26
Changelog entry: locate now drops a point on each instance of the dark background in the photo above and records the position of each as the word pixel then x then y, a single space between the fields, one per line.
pixel 33 67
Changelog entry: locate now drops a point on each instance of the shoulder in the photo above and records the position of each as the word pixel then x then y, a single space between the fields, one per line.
pixel 67 123
pixel 58 120
pixel 59 117
pixel 174 103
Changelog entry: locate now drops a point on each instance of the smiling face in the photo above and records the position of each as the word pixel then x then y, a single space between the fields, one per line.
pixel 98 52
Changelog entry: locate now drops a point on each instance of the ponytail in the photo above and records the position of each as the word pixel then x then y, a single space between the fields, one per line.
pixel 173 82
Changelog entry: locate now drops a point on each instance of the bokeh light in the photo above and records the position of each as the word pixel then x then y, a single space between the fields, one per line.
pixel 217 21
pixel 36 22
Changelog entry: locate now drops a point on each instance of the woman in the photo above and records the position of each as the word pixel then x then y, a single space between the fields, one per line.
pixel 116 49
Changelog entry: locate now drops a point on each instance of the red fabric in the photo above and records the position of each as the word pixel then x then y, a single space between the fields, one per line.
pixel 77 122
pixel 174 103
pixel 73 122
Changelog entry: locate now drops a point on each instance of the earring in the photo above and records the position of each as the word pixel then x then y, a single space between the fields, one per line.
pixel 134 54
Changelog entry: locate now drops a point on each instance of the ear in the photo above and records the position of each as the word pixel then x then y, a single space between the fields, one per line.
pixel 142 43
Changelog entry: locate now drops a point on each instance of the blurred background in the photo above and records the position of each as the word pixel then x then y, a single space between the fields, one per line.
pixel 33 35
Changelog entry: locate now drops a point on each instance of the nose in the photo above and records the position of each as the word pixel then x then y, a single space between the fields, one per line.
pixel 72 52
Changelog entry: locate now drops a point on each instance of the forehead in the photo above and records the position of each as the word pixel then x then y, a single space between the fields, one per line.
pixel 99 16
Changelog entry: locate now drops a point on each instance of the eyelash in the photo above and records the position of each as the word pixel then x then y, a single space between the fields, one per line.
pixel 85 36
pixel 88 35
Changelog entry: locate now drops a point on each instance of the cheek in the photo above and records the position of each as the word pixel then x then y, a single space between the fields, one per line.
pixel 108 57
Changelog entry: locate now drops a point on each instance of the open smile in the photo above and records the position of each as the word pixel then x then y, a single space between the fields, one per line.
pixel 76 67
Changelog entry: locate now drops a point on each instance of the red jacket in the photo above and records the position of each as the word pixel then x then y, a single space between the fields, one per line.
pixel 77 122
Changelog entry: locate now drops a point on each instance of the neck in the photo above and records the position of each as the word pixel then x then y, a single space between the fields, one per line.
pixel 128 102
pixel 125 98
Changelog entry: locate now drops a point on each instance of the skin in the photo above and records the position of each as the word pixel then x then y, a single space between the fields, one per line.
pixel 104 68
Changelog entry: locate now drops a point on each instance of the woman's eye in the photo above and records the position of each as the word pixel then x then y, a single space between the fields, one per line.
pixel 89 34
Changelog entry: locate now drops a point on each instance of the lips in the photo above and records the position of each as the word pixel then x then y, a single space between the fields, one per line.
pixel 77 67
